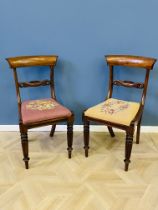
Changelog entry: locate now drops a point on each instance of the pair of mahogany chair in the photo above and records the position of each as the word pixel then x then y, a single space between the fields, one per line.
pixel 125 115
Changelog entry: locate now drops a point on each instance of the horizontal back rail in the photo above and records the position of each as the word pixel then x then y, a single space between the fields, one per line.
pixel 28 61
pixel 128 84
pixel 131 61
pixel 34 83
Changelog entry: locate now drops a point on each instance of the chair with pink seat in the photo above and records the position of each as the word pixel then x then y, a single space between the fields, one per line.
pixel 42 112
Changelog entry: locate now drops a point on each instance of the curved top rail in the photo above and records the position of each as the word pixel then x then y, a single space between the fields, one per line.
pixel 28 61
pixel 130 60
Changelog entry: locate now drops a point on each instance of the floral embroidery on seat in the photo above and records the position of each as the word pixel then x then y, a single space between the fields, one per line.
pixel 113 107
pixel 41 105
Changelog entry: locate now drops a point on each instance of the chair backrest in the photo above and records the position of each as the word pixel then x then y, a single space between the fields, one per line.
pixel 129 61
pixel 32 61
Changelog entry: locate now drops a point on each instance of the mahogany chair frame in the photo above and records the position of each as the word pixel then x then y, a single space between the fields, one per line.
pixel 128 61
pixel 32 61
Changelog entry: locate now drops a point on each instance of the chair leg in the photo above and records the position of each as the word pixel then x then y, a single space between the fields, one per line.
pixel 138 131
pixel 69 137
pixel 24 143
pixel 111 131
pixel 128 149
pixel 86 137
pixel 52 130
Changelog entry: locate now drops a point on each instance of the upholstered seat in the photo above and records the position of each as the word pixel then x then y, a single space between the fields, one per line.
pixel 114 110
pixel 40 110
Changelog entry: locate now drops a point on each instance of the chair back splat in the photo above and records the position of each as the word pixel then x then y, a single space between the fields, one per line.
pixel 42 112
pixel 30 61
pixel 129 61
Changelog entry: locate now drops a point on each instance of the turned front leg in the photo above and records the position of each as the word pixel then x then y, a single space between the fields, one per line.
pixel 24 143
pixel 128 149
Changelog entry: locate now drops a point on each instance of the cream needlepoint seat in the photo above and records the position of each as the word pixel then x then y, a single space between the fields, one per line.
pixel 114 110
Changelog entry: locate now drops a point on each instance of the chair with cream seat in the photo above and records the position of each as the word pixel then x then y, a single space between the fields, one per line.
pixel 41 112
pixel 117 113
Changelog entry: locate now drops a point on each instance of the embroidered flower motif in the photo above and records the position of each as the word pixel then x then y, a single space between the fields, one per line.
pixel 41 105
pixel 113 107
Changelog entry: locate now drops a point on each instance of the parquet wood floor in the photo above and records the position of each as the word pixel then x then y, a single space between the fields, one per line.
pixel 99 182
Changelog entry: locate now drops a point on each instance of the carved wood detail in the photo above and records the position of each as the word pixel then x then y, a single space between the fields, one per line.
pixel 34 83
pixel 129 84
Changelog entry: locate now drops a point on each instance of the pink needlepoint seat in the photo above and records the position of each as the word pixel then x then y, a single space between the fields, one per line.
pixel 43 109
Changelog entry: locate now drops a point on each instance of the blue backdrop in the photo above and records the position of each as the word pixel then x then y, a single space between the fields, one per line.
pixel 81 33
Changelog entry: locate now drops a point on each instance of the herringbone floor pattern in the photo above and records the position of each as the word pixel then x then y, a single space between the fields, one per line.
pixel 99 182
